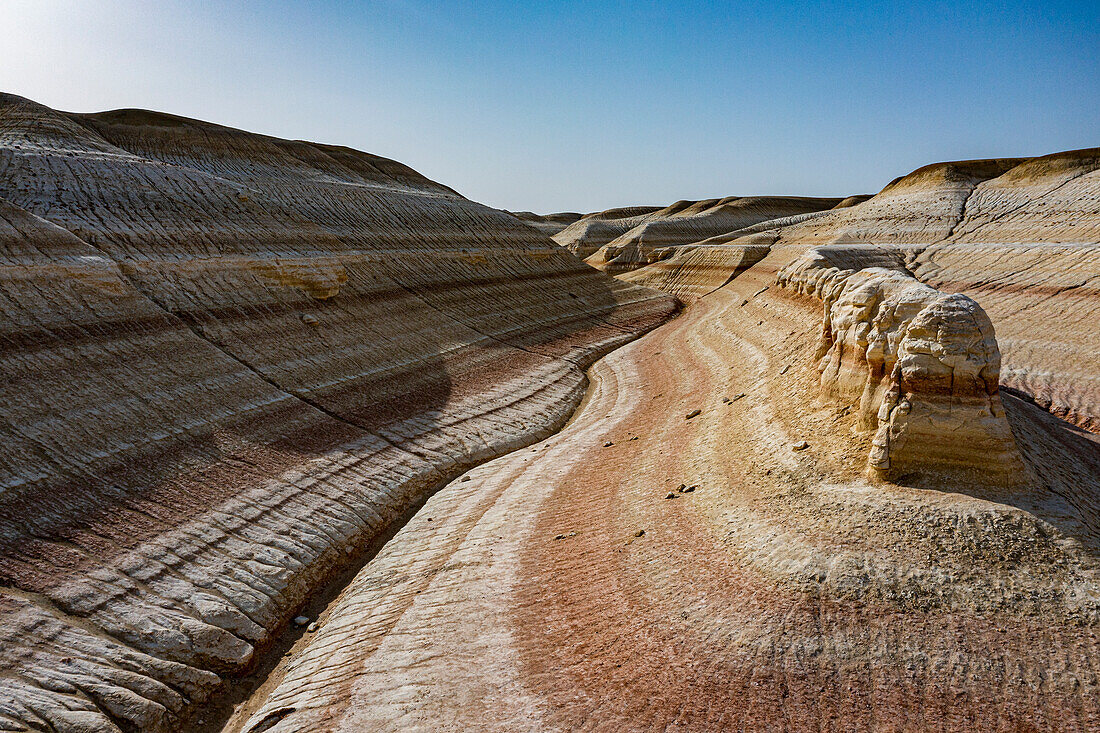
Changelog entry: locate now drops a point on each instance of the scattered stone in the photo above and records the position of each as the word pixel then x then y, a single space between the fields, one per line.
pixel 671 495
pixel 465 478
pixel 309 320
pixel 693 413
pixel 608 444
pixel 640 533
pixel 313 627
pixel 785 369
pixel 634 437
pixel 565 536
pixel 681 487
pixel 301 620
pixel 690 489
pixel 800 445
pixel 737 396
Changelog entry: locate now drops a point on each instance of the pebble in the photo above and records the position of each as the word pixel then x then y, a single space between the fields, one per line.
pixel 800 445
pixel 301 620
pixel 312 627
pixel 465 478
pixel 608 444
pixel 693 413
pixel 640 533
pixel 671 495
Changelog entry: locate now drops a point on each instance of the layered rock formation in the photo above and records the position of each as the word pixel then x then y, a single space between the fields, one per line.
pixel 691 271
pixel 687 222
pixel 230 362
pixel 233 362
pixel 592 231
pixel 922 366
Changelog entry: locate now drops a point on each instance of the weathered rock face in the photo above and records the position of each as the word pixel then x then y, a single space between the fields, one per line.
pixel 230 362
pixel 924 367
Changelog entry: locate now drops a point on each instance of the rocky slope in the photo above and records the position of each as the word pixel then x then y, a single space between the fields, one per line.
pixel 230 362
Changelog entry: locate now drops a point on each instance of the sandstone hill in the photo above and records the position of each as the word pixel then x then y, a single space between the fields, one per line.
pixel 230 361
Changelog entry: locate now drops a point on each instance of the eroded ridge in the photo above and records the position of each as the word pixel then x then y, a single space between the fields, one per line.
pixel 924 366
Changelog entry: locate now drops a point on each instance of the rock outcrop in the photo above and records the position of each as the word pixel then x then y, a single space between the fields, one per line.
pixel 923 367
pixel 230 362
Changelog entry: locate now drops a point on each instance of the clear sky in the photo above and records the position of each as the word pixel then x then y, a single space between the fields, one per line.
pixel 586 105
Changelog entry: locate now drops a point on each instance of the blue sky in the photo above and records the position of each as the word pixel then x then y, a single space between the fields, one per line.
pixel 586 105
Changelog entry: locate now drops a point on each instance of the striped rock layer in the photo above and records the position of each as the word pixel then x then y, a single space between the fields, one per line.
pixel 687 222
pixel 230 361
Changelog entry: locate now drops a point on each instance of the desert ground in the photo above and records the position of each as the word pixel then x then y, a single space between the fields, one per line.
pixel 297 439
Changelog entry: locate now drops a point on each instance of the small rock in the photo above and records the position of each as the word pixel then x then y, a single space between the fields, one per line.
pixel 634 437
pixel 312 627
pixel 681 487
pixel 309 320
pixel 640 533
pixel 690 489
pixel 465 478
pixel 559 537
pixel 800 445
pixel 429 519
pixel 301 620
pixel 785 369
pixel 608 444
pixel 693 413
pixel 671 495
pixel 725 400
pixel 737 397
